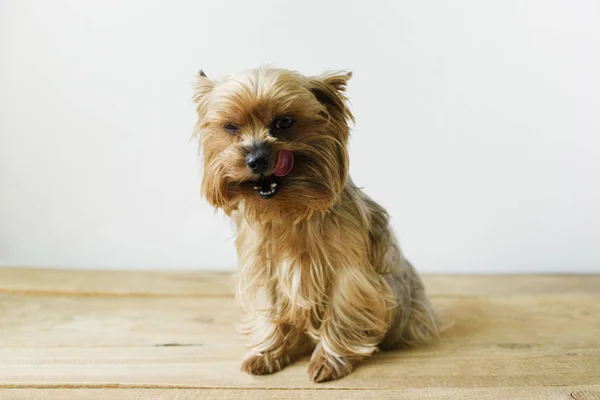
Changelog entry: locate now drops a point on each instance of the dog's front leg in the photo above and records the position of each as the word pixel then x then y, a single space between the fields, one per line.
pixel 355 322
pixel 271 345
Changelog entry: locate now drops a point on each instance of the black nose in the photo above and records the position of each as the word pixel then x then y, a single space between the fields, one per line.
pixel 257 159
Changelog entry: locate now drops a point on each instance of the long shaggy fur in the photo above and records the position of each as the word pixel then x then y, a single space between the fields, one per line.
pixel 318 263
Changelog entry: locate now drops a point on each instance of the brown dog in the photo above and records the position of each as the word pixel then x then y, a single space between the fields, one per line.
pixel 318 261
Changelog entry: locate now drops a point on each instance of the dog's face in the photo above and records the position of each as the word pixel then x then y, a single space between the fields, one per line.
pixel 273 140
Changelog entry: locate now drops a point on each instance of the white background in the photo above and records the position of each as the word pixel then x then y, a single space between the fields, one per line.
pixel 478 125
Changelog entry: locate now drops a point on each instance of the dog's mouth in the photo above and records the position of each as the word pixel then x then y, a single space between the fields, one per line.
pixel 267 186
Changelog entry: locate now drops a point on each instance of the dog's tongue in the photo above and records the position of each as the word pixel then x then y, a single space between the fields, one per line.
pixel 285 163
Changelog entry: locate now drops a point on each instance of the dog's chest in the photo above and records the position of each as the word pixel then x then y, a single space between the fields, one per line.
pixel 289 280
pixel 299 296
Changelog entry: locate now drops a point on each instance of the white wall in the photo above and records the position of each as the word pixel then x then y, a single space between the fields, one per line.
pixel 478 125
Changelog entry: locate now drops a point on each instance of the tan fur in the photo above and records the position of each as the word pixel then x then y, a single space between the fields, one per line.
pixel 318 263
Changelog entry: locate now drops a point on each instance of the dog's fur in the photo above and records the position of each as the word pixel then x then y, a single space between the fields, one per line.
pixel 318 262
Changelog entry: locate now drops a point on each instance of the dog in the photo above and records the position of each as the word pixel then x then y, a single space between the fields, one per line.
pixel 319 265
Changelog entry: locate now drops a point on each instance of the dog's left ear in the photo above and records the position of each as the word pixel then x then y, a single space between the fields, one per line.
pixel 329 88
pixel 202 88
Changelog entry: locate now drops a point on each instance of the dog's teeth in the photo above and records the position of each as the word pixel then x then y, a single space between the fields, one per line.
pixel 266 193
pixel 256 187
pixel 273 184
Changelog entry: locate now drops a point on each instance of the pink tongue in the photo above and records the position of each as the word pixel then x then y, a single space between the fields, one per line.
pixel 285 163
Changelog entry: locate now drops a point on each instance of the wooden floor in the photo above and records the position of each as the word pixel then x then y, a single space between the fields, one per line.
pixel 159 335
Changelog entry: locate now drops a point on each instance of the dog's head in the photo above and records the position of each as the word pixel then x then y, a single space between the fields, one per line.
pixel 273 140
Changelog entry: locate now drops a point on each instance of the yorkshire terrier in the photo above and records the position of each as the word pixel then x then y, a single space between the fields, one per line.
pixel 318 262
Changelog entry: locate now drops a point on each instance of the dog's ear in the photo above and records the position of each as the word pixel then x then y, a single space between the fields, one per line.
pixel 202 88
pixel 329 89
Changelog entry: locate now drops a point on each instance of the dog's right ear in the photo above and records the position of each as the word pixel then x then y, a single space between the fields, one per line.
pixel 202 88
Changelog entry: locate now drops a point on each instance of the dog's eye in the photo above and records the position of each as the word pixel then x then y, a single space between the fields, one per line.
pixel 284 123
pixel 231 127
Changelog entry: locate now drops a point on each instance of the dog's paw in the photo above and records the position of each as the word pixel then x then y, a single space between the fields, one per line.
pixel 324 367
pixel 264 364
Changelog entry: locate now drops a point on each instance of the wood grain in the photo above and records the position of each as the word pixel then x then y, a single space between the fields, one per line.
pixel 98 334
pixel 527 393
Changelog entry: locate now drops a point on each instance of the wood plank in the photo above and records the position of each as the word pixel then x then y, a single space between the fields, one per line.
pixel 172 335
pixel 57 282
pixel 508 285
pixel 525 393
pixel 195 284
pixel 495 341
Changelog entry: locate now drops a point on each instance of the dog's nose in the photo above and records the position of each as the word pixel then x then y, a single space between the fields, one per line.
pixel 257 159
